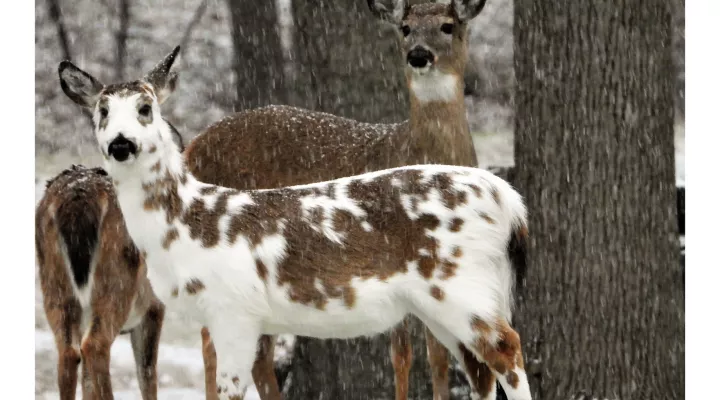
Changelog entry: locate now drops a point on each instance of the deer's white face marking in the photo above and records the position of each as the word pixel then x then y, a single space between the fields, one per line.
pixel 434 86
pixel 129 115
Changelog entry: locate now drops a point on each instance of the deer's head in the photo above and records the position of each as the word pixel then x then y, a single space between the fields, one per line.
pixel 433 36
pixel 126 116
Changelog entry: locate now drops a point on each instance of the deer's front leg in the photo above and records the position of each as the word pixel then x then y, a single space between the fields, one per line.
pixel 236 342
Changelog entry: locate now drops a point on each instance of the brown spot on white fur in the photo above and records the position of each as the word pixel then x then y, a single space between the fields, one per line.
pixel 171 235
pixel 456 224
pixel 194 286
pixel 487 218
pixel 495 194
pixel 456 252
pixel 175 291
pixel 152 149
pixel 155 167
pixel 262 270
pixel 437 292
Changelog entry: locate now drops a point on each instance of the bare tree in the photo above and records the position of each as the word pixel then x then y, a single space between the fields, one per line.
pixel 56 16
pixel 121 37
pixel 258 62
pixel 349 64
pixel 194 21
pixel 603 307
pixel 63 37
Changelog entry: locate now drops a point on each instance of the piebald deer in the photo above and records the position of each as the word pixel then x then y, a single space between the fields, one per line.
pixel 336 259
pixel 275 146
pixel 94 284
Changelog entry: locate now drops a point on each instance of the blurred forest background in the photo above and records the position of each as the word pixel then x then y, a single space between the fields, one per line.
pixel 270 52
pixel 331 55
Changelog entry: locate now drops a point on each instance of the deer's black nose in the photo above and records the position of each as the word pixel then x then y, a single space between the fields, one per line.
pixel 121 148
pixel 419 57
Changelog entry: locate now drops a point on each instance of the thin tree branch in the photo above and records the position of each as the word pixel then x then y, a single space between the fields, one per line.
pixel 121 40
pixel 194 21
pixel 57 18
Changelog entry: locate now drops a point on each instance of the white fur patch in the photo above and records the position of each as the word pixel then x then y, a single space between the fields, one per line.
pixel 434 86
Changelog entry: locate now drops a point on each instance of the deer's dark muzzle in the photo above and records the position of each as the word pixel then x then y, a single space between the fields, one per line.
pixel 121 148
pixel 419 57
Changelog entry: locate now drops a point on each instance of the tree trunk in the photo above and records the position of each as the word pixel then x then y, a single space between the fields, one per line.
pixel 349 64
pixel 258 62
pixel 603 309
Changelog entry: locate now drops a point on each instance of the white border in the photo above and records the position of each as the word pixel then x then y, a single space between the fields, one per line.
pixel 17 35
pixel 702 137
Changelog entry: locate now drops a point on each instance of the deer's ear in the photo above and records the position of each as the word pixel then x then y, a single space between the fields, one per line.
pixel 392 11
pixel 78 85
pixel 163 81
pixel 465 10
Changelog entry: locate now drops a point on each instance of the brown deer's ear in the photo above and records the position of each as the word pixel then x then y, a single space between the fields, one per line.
pixel 465 10
pixel 393 13
pixel 78 85
pixel 163 81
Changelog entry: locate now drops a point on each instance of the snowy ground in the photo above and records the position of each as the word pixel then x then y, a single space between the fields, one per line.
pixel 180 367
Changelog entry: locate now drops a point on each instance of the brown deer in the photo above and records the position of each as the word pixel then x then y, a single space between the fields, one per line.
pixel 275 146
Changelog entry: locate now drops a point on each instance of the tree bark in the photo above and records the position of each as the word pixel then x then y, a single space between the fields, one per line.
pixel 603 309
pixel 349 64
pixel 258 62
pixel 121 37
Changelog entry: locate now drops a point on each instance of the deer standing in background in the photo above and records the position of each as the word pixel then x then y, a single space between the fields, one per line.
pixel 276 146
pixel 337 259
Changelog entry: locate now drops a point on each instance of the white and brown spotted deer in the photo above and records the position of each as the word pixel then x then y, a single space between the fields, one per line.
pixel 337 259
pixel 94 285
pixel 276 146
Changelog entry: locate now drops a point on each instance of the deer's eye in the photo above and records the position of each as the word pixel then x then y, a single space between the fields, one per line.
pixel 145 110
pixel 447 28
pixel 103 112
pixel 405 30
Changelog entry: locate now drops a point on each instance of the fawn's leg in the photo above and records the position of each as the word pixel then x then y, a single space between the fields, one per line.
pixel 264 369
pixel 401 358
pixel 439 365
pixel 145 339
pixel 65 323
pixel 95 350
pixel 236 342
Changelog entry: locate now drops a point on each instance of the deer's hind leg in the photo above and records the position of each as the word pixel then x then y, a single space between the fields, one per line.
pixel 65 324
pixel 145 339
pixel 481 379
